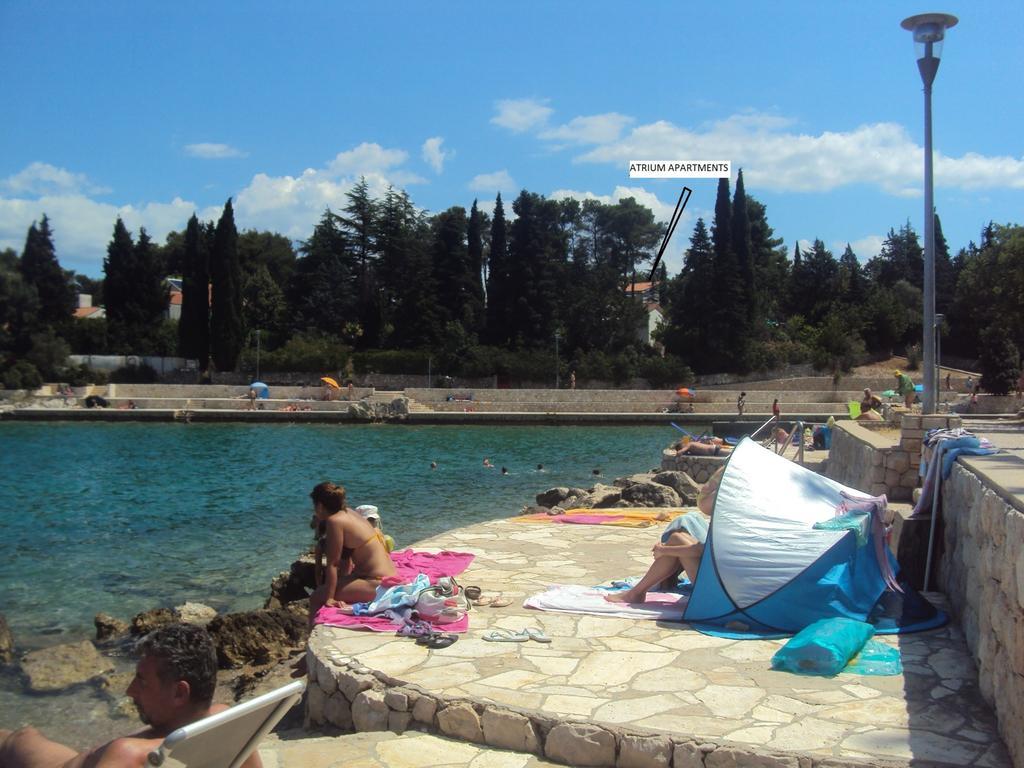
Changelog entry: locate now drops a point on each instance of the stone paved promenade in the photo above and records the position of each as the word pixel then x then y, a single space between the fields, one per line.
pixel 612 691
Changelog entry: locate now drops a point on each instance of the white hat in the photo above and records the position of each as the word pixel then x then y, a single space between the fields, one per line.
pixel 369 512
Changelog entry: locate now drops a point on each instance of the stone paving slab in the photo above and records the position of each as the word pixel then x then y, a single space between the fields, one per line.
pixel 618 679
pixel 301 749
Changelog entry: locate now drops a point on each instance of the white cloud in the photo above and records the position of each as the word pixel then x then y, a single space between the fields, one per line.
pixel 287 204
pixel 82 227
pixel 519 115
pixel 499 181
pixel 776 158
pixel 591 129
pixel 433 155
pixel 211 151
pixel 45 179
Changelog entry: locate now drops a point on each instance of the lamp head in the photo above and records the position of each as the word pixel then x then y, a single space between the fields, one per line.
pixel 929 29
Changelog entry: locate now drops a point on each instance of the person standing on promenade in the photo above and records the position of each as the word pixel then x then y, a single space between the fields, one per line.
pixel 905 387
pixel 572 379
pixel 741 403
pixel 776 411
pixel 173 686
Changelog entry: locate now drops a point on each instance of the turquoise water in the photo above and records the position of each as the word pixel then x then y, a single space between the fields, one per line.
pixel 119 518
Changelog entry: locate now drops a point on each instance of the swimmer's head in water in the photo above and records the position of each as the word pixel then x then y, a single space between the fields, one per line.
pixel 329 496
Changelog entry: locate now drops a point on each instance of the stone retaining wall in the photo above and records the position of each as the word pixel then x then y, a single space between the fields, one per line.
pixel 700 468
pixel 982 572
pixel 348 695
pixel 869 461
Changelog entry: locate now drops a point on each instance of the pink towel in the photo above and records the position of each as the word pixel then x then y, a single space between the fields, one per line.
pixel 587 519
pixel 408 565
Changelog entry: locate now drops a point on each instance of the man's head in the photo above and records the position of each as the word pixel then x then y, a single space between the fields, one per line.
pixel 176 674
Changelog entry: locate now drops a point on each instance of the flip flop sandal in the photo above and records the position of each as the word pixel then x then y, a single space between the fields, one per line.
pixel 533 633
pixel 500 602
pixel 482 601
pixel 473 593
pixel 505 636
pixel 437 640
pixel 417 629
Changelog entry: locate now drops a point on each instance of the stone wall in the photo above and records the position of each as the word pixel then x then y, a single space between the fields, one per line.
pixel 867 460
pixel 346 694
pixel 700 468
pixel 982 572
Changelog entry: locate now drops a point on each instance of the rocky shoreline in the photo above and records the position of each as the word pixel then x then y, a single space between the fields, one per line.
pixel 257 650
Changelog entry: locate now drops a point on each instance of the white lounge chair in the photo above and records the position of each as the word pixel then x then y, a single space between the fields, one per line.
pixel 226 739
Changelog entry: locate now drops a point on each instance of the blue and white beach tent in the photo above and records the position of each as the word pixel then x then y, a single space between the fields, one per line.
pixel 767 571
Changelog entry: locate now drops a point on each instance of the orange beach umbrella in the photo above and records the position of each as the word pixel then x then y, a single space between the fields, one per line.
pixel 685 392
pixel 330 382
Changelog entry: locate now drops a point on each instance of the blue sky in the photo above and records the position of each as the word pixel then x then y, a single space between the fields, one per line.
pixel 153 110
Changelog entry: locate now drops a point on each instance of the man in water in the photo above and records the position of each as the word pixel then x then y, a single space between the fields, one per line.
pixel 173 686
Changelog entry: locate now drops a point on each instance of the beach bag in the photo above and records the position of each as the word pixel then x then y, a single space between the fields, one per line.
pixel 442 603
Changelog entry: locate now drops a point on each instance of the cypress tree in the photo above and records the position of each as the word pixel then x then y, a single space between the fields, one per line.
pixel 150 288
pixel 40 269
pixel 497 278
pixel 194 326
pixel 742 248
pixel 118 271
pixel 226 309
pixel 475 254
pixel 727 336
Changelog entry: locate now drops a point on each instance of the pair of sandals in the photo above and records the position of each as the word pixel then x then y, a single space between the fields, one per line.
pixel 522 636
pixel 426 635
pixel 477 598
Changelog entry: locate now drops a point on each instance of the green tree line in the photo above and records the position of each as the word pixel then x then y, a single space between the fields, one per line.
pixel 387 286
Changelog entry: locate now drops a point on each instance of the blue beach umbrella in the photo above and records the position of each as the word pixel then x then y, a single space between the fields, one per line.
pixel 262 390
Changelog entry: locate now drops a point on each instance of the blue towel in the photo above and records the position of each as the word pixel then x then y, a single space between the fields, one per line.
pixel 694 523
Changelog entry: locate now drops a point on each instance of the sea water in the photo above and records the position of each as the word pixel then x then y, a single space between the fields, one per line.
pixel 120 518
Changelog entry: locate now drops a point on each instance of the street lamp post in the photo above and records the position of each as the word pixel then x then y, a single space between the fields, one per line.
pixel 929 29
pixel 257 354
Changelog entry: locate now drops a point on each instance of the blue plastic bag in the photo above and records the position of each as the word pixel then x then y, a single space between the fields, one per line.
pixel 824 647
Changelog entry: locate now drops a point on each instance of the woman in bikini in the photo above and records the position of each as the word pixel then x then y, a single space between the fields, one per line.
pixel 357 557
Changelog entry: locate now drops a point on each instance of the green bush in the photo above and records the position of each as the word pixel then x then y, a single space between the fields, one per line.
pixel 80 375
pixel 48 353
pixel 135 374
pixel 22 375
pixel 395 361
pixel 913 357
pixel 999 361
pixel 313 353
pixel 666 372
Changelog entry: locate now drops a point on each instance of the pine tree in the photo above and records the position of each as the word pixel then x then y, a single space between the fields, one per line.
pixel 194 325
pixel 40 269
pixel 150 294
pixel 452 272
pixel 226 335
pixel 323 292
pixel 771 267
pixel 852 288
pixel 498 311
pixel 360 228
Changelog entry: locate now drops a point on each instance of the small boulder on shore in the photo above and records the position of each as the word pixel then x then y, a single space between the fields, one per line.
pixel 147 621
pixel 649 494
pixel 681 483
pixel 108 627
pixel 6 642
pixel 50 670
pixel 257 637
pixel 195 613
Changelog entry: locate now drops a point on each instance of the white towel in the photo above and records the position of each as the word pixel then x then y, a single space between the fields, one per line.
pixel 569 598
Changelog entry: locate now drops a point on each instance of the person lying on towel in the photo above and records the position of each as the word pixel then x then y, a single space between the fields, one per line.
pixel 357 557
pixel 680 549
pixel 714 446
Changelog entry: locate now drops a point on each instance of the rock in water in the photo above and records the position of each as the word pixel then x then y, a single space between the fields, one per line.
pixel 682 484
pixel 147 621
pixel 50 670
pixel 6 642
pixel 649 495
pixel 257 637
pixel 108 626
pixel 195 613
